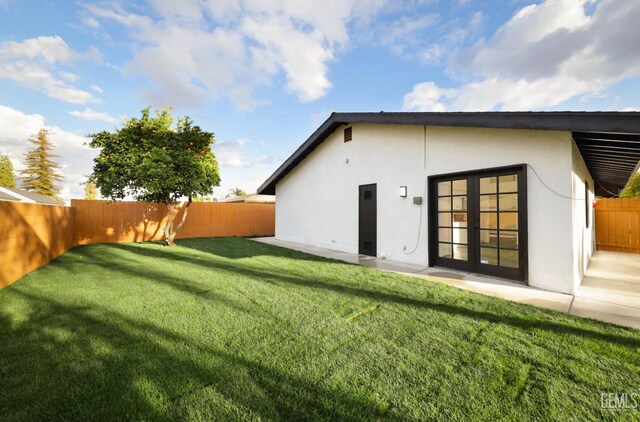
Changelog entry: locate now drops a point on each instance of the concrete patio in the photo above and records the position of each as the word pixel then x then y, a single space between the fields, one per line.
pixel 610 290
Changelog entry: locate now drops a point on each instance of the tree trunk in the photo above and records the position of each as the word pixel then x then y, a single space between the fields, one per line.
pixel 169 232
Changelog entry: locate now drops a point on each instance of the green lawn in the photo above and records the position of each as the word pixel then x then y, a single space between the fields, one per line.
pixel 234 329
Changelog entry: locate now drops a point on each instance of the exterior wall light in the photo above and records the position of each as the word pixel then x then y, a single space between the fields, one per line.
pixel 403 191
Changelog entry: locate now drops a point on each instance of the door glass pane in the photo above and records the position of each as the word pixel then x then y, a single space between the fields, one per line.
pixel 460 236
pixel 460 187
pixel 488 202
pixel 488 185
pixel 459 219
pixel 489 256
pixel 444 219
pixel 508 220
pixel 444 204
pixel 444 250
pixel 489 238
pixel 488 220
pixel 509 258
pixel 509 202
pixel 460 252
pixel 508 239
pixel 509 183
pixel 444 188
pixel 444 235
pixel 497 214
pixel 459 203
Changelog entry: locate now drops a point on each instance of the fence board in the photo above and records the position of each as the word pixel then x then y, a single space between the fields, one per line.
pixel 618 224
pixel 33 234
pixel 104 222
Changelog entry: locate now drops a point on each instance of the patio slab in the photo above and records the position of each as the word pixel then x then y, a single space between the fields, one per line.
pixel 610 290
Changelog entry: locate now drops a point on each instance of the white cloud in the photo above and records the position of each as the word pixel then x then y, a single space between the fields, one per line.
pixel 75 158
pixel 229 145
pixel 426 37
pixel 89 114
pixel 50 49
pixel 431 54
pixel 232 154
pixel 241 165
pixel 96 88
pixel 241 162
pixel 33 62
pixel 247 179
pixel 546 54
pixel 90 21
pixel 71 77
pixel 206 49
pixel 404 33
pixel 427 96
pixel 477 20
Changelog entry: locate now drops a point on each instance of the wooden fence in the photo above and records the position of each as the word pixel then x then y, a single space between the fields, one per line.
pixel 31 235
pixel 114 222
pixel 618 224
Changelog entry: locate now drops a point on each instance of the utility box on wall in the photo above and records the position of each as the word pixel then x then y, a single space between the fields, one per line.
pixel 417 200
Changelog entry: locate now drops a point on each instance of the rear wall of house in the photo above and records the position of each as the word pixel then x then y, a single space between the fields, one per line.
pixel 317 202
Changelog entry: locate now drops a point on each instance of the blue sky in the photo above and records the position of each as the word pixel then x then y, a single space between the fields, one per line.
pixel 263 74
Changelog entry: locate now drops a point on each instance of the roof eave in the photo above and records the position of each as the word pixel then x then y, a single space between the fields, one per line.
pixel 610 122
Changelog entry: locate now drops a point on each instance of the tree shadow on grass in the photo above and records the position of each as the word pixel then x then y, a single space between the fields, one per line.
pixel 238 247
pixel 87 363
pixel 273 274
pixel 81 361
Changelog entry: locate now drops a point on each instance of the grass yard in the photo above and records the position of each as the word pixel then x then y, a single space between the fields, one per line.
pixel 235 329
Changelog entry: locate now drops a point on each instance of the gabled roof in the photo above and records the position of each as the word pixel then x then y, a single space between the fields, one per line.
pixel 20 195
pixel 600 123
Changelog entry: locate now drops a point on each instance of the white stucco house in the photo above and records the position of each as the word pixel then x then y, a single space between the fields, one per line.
pixel 496 193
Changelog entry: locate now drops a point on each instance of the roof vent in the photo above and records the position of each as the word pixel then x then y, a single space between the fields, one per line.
pixel 348 133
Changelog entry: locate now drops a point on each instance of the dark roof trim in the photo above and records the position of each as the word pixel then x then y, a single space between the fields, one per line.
pixel 602 122
pixel 610 157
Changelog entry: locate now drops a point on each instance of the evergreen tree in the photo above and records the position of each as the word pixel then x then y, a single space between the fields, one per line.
pixel 41 173
pixel 7 176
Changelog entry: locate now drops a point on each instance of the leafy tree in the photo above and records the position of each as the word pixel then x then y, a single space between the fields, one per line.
pixel 7 176
pixel 90 190
pixel 199 198
pixel 41 172
pixel 632 190
pixel 150 160
pixel 236 192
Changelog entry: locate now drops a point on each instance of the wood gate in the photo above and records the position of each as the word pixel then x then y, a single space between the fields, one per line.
pixel 618 224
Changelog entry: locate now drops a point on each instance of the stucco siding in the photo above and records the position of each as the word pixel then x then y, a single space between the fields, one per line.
pixel 583 236
pixel 317 202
